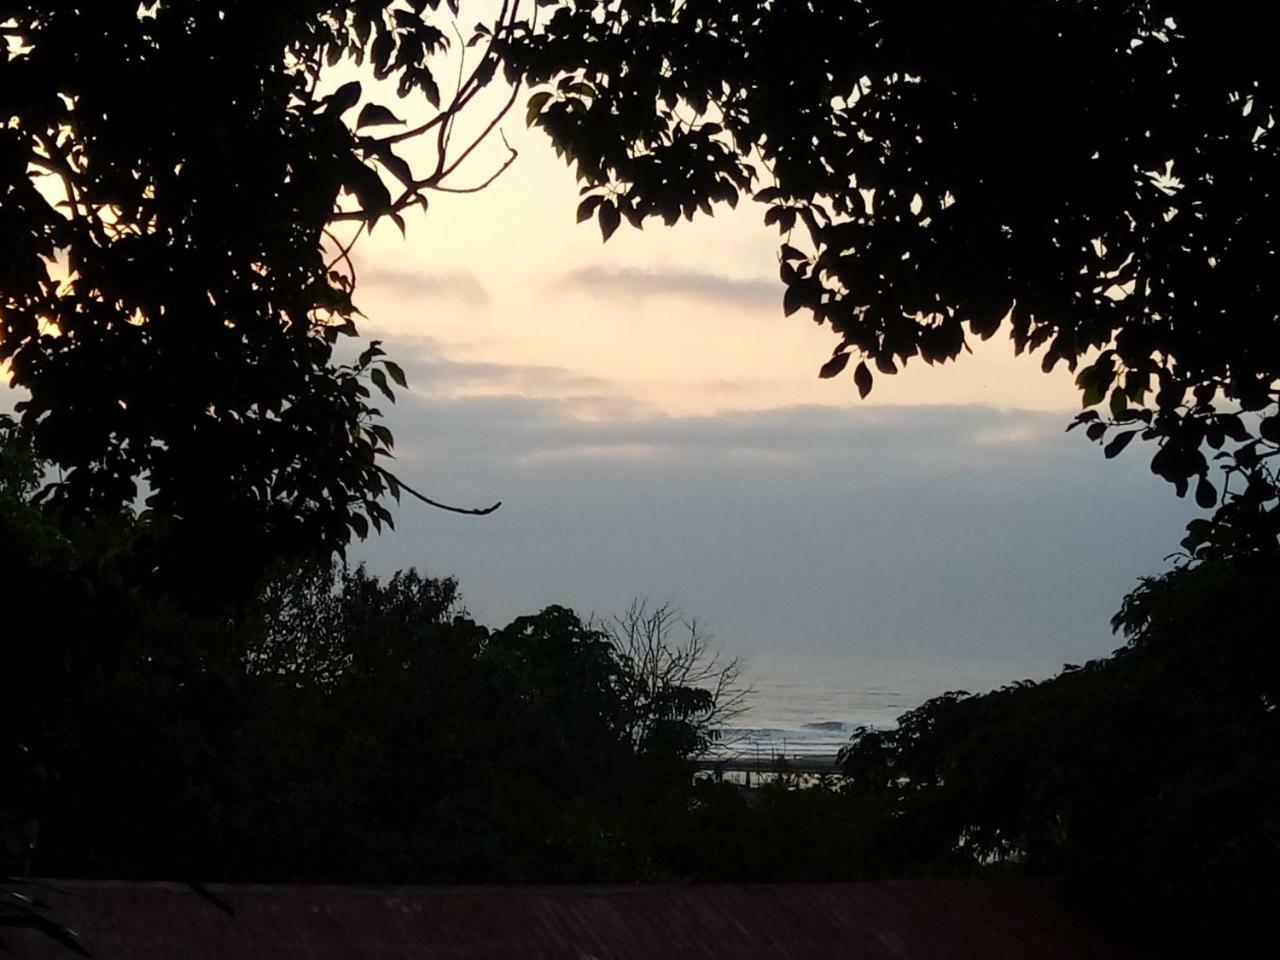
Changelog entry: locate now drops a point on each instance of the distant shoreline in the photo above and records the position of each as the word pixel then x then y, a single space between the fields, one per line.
pixel 810 764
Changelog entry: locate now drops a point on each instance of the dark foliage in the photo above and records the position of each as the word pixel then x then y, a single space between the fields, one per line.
pixel 1095 178
pixel 173 286
pixel 69 613
pixel 1146 781
pixel 370 732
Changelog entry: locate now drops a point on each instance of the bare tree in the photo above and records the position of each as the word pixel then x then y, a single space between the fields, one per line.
pixel 678 680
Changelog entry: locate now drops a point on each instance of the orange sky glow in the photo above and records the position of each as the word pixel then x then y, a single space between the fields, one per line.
pixel 682 320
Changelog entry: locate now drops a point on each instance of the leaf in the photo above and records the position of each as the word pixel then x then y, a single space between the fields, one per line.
pixel 1233 427
pixel 862 378
pixel 369 189
pixel 536 103
pixel 1118 443
pixel 1082 418
pixel 1171 395
pixel 610 218
pixel 1093 394
pixel 1096 379
pixel 1135 385
pixel 360 525
pixel 632 212
pixel 1199 531
pixel 397 373
pixel 430 89
pixel 1206 495
pixel 985 325
pixel 1096 431
pixel 380 381
pixel 1119 404
pixel 397 166
pixel 344 98
pixel 374 114
pixel 588 206
pixel 380 54
pixel 833 366
pixel 885 364
pixel 792 300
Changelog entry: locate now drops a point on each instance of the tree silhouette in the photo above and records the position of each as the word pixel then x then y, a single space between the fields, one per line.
pixel 1097 179
pixel 179 192
pixel 367 730
pixel 1093 178
pixel 1145 780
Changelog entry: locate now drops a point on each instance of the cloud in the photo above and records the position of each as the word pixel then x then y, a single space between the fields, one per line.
pixel 434 375
pixel 443 376
pixel 604 282
pixel 456 284
pixel 911 532
pixel 518 426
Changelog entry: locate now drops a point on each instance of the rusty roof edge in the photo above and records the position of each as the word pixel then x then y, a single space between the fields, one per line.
pixel 1034 886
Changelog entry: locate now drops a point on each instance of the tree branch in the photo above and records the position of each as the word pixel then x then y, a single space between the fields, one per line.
pixel 512 153
pixel 477 512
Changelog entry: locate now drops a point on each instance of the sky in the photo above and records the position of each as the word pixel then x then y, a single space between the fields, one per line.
pixel 655 427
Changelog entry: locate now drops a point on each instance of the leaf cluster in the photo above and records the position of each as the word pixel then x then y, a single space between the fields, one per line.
pixel 1144 781
pixel 173 291
pixel 1094 179
pixel 367 730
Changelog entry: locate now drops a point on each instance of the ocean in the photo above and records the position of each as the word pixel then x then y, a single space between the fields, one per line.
pixel 804 705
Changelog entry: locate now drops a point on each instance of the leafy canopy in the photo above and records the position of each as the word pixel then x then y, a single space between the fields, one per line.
pixel 368 730
pixel 179 192
pixel 1095 178
pixel 1146 780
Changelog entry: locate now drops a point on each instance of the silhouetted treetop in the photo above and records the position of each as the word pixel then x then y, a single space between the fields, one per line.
pixel 179 191
pixel 1145 780
pixel 1095 178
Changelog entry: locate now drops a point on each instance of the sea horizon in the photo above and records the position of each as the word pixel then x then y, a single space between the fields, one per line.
pixel 809 704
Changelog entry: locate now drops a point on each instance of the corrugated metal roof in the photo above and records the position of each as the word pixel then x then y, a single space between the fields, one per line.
pixel 898 920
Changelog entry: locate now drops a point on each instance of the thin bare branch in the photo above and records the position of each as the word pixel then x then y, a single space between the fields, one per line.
pixel 512 154
pixel 473 512
pixel 344 252
pixel 484 134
